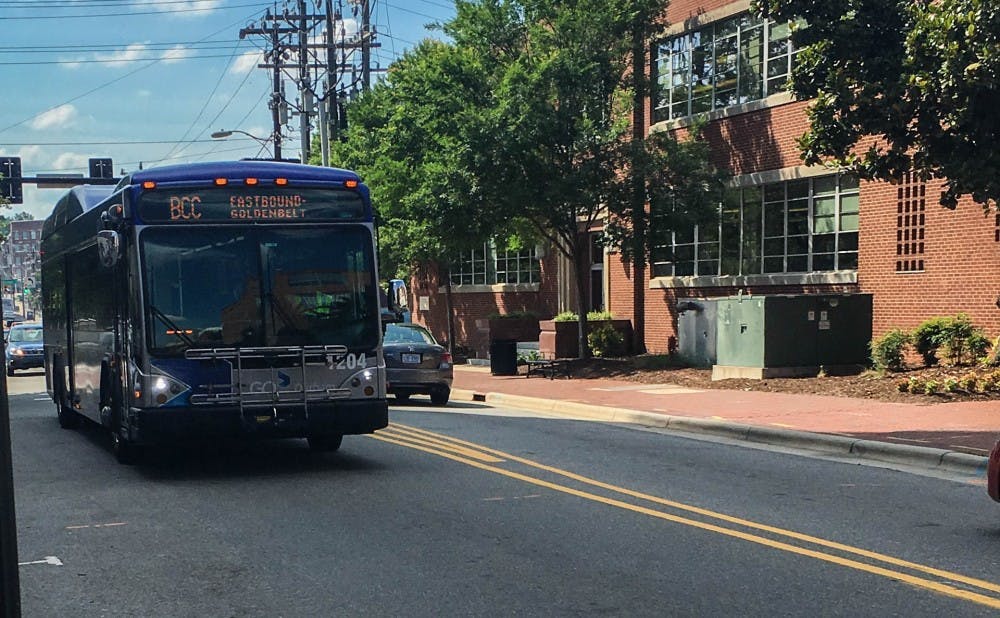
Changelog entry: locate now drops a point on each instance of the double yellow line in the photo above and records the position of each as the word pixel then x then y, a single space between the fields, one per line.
pixel 929 578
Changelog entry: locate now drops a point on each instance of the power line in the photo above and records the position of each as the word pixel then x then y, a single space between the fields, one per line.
pixel 133 13
pixel 166 57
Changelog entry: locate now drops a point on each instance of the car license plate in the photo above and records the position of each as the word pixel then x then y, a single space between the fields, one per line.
pixel 411 359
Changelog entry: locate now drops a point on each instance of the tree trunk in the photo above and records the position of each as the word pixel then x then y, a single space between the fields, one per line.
pixel 451 313
pixel 581 273
pixel 638 196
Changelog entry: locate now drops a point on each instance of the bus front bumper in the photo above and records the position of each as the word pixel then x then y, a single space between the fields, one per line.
pixel 192 423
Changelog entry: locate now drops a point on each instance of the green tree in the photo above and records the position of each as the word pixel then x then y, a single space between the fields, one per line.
pixel 914 83
pixel 564 84
pixel 416 138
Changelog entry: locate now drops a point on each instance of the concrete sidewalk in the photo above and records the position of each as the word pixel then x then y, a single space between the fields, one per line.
pixel 956 436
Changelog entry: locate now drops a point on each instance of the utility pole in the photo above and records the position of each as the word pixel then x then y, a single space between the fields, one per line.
pixel 366 45
pixel 305 89
pixel 276 99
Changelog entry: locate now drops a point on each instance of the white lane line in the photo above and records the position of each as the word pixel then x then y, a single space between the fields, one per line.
pixel 41 399
pixel 54 561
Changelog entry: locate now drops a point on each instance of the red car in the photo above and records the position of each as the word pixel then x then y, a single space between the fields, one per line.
pixel 993 473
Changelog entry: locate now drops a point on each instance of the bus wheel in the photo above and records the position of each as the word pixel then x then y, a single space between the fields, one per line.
pixel 325 443
pixel 125 452
pixel 68 419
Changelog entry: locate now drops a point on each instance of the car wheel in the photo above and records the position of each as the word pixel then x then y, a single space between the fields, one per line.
pixel 402 397
pixel 10 372
pixel 68 419
pixel 440 396
pixel 325 443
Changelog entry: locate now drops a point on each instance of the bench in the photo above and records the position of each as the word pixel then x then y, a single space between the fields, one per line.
pixel 545 368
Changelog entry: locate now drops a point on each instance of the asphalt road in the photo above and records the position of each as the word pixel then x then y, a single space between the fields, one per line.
pixel 471 511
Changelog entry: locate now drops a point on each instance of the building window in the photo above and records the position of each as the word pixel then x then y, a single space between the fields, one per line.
pixel 797 226
pixel 492 265
pixel 729 62
pixel 470 269
pixel 517 266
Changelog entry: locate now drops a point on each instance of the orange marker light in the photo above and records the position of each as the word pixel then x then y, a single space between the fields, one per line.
pixel 251 181
pixel 351 184
pixel 149 184
pixel 281 182
pixel 221 182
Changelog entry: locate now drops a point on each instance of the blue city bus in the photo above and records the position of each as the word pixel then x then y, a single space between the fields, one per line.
pixel 216 300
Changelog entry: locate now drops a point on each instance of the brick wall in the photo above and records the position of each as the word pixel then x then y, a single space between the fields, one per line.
pixel 472 310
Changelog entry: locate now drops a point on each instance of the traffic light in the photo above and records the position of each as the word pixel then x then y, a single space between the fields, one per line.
pixel 10 180
pixel 101 168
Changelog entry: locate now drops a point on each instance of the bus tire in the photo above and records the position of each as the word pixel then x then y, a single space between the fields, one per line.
pixel 68 419
pixel 125 452
pixel 325 443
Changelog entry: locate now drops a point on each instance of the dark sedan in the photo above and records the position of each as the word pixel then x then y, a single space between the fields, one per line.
pixel 416 364
pixel 24 347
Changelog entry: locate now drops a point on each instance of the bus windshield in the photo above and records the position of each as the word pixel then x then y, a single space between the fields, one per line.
pixel 227 287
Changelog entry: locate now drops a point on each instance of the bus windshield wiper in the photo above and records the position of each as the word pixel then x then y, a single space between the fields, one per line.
pixel 174 329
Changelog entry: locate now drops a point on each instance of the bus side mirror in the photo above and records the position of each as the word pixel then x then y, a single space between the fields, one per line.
pixel 108 247
pixel 397 296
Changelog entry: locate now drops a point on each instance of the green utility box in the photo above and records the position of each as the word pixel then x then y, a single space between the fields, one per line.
pixel 786 335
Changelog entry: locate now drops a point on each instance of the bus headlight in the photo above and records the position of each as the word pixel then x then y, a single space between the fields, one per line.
pixel 157 389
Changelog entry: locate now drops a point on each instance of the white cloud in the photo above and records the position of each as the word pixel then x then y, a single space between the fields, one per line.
pixel 176 54
pixel 70 161
pixel 61 116
pixel 121 57
pixel 247 62
pixel 191 8
pixel 144 93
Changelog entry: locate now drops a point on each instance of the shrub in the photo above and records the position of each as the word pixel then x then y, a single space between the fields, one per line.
pixel 916 385
pixel 931 387
pixel 887 351
pixel 606 341
pixel 978 347
pixel 592 316
pixel 968 382
pixel 992 359
pixel 951 385
pixel 987 384
pixel 926 339
pixel 955 336
pixel 903 386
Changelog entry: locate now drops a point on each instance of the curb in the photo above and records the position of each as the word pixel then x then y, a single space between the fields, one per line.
pixel 886 452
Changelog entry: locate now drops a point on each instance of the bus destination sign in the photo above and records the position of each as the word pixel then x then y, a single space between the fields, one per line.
pixel 249 204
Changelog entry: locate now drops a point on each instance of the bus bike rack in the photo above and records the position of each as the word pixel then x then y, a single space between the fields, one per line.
pixel 307 356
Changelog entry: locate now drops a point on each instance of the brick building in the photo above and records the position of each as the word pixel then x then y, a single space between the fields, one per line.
pixel 783 227
pixel 19 258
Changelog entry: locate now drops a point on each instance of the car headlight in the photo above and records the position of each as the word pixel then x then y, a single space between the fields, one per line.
pixel 17 352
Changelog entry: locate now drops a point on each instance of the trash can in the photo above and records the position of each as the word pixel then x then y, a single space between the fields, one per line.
pixel 503 357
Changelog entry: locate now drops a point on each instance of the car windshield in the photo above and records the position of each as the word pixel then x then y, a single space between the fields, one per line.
pixel 407 334
pixel 26 335
pixel 260 287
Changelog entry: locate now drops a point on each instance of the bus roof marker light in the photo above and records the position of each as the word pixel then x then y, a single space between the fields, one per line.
pixel 148 184
pixel 351 184
pixel 221 182
pixel 251 181
pixel 281 182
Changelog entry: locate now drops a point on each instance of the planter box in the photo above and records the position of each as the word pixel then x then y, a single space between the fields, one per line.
pixel 560 339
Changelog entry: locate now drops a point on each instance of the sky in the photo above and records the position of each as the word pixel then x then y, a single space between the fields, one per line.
pixel 146 82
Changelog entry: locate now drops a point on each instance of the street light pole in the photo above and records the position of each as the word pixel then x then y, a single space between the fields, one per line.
pixel 263 142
